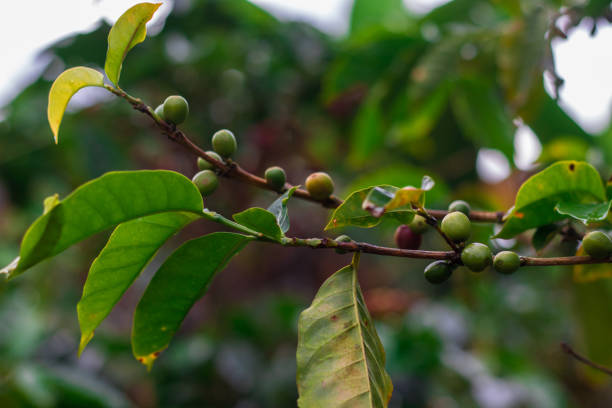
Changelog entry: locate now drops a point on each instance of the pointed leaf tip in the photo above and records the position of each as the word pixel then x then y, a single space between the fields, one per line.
pixel 129 30
pixel 63 88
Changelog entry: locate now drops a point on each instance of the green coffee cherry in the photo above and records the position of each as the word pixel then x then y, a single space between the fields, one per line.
pixel 476 256
pixel 159 111
pixel 206 181
pixel 459 205
pixel 204 165
pixel 438 272
pixel 275 177
pixel 597 244
pixel 506 262
pixel 418 225
pixel 224 143
pixel 342 238
pixel 176 109
pixel 457 226
pixel 320 185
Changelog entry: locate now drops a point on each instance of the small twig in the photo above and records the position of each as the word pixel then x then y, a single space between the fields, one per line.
pixel 566 348
pixel 562 260
pixel 238 173
pixel 432 221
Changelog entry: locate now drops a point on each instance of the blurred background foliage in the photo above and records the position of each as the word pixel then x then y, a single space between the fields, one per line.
pixel 400 96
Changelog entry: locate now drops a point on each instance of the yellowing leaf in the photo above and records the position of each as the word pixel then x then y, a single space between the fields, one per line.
pixel 340 358
pixel 66 85
pixel 589 273
pixel 129 30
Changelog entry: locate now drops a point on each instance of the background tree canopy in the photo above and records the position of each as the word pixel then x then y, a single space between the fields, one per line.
pixel 399 97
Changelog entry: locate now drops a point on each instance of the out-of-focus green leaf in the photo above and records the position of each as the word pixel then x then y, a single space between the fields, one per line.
pixel 543 235
pixel 279 209
pixel 587 213
pixel 181 280
pixel 129 30
pixel 548 121
pixel 436 66
pixel 64 86
pixel 590 272
pixel 412 121
pixel 481 115
pixel 351 212
pixel 365 61
pixel 260 220
pixel 593 310
pixel 129 249
pixel 386 13
pixel 570 181
pixel 368 134
pixel 564 148
pixel 102 203
pixel 522 54
pixel 340 359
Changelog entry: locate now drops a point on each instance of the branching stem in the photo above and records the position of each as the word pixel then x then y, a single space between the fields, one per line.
pixel 232 170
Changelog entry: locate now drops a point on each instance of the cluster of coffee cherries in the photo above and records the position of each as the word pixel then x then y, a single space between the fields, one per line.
pixel 175 110
pixel 457 227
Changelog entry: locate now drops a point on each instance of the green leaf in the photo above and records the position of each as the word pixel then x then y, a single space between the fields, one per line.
pixel 384 200
pixel 178 284
pixel 367 134
pixel 129 249
pixel 351 212
pixel 481 114
pixel 383 13
pixel 340 359
pixel 66 85
pixel 569 181
pixel 103 203
pixel 543 235
pixel 129 30
pixel 279 209
pixel 587 213
pixel 260 220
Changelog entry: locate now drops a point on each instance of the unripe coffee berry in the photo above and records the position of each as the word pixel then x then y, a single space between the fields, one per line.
pixel 159 111
pixel 476 256
pixel 506 262
pixel 457 226
pixel 438 272
pixel 319 185
pixel 275 177
pixel 206 181
pixel 406 238
pixel 224 143
pixel 418 224
pixel 597 244
pixel 459 205
pixel 205 165
pixel 176 109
